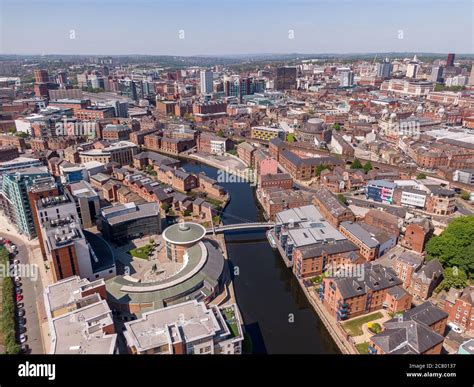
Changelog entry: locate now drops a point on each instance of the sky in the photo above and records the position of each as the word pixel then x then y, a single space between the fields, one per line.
pixel 224 27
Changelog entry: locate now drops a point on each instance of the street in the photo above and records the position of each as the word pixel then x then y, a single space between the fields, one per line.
pixel 32 292
pixel 463 207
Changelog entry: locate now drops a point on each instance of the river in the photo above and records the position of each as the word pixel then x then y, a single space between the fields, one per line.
pixel 276 313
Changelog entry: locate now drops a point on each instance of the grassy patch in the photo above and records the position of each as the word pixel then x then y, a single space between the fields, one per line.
pixel 354 327
pixel 214 202
pixel 142 252
pixel 229 315
pixel 8 309
pixel 363 348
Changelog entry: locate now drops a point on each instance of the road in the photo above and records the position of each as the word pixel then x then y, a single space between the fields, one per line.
pixel 32 292
pixel 463 207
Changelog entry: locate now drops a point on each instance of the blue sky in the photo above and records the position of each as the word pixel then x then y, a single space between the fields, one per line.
pixel 213 27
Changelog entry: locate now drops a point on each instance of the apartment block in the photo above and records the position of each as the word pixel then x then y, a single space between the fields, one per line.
pixel 79 318
pixel 186 328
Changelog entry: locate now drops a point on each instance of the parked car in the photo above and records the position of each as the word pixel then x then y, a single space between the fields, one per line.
pixel 18 290
pixel 20 312
pixel 21 329
pixel 24 348
pixel 21 321
pixel 19 298
pixel 20 305
pixel 16 261
pixel 17 279
pixel 23 338
pixel 454 327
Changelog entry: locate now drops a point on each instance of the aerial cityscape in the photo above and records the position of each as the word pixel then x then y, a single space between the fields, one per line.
pixel 205 195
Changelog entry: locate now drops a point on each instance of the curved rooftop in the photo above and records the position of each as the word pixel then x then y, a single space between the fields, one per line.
pixel 103 257
pixel 205 269
pixel 184 233
pixel 313 125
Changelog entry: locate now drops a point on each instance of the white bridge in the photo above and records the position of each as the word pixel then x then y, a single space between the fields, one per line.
pixel 239 226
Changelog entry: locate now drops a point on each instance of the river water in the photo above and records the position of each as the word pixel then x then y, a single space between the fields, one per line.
pixel 276 314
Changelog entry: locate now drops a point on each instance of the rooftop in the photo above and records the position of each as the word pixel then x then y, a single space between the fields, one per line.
pixel 77 316
pixel 184 233
pixel 125 212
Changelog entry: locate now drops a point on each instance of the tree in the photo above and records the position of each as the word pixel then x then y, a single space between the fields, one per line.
pixel 342 198
pixel 421 176
pixel 220 133
pixel 336 126
pixel 290 137
pixel 465 195
pixel 452 278
pixel 455 246
pixel 367 166
pixel 321 168
pixel 356 164
pixel 165 207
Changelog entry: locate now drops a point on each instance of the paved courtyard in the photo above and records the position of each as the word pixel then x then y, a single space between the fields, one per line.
pixel 156 268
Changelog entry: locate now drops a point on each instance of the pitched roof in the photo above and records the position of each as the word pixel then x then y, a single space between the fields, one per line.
pixel 406 337
pixel 426 314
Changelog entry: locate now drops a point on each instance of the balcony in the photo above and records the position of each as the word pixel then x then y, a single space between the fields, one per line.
pixel 342 304
pixel 341 314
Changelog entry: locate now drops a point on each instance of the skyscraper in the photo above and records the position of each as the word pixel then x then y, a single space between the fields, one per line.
pixel 41 76
pixel 285 78
pixel 436 74
pixel 346 77
pixel 412 69
pixel 450 60
pixel 15 201
pixel 471 78
pixel 206 81
pixel 384 69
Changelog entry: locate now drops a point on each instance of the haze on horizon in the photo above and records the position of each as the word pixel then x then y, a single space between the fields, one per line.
pixel 213 27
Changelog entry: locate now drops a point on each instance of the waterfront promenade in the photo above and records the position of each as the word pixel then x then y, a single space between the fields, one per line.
pixel 332 326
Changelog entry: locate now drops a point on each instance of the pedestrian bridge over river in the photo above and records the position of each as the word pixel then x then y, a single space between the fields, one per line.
pixel 239 226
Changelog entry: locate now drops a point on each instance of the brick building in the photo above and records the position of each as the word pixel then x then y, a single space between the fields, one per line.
pixel 417 233
pixel 459 304
pixel 331 208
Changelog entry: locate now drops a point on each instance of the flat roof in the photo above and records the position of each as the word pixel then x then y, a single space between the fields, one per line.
pixel 360 233
pixel 184 233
